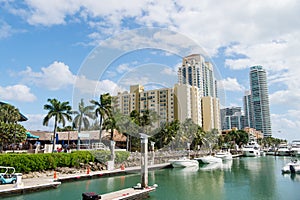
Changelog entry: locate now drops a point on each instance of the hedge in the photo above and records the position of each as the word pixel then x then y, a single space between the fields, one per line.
pixel 38 162
pixel 24 163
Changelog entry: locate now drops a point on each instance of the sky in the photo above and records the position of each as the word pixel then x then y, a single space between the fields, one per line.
pixel 77 49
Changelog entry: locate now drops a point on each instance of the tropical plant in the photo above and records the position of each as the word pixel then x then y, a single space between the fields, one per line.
pixel 103 109
pixel 9 114
pixel 82 118
pixel 11 133
pixel 126 125
pixel 60 111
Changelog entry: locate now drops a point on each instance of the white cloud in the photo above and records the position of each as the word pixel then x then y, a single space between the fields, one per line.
pixel 230 84
pixel 123 68
pixel 35 122
pixel 17 92
pixel 169 71
pixel 283 125
pixel 54 77
pixel 5 30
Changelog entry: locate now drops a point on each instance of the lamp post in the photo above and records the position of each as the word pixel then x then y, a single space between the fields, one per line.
pixel 144 160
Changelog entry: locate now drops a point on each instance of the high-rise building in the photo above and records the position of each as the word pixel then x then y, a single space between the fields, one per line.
pixel 232 118
pixel 248 110
pixel 197 72
pixel 260 100
pixel 194 97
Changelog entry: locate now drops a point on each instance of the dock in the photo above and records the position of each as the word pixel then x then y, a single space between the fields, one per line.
pixel 44 183
pixel 125 194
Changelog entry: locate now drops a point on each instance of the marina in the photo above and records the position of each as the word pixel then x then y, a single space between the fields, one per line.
pixel 245 177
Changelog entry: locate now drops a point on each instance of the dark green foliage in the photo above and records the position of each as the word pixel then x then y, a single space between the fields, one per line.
pixel 24 163
pixel 37 162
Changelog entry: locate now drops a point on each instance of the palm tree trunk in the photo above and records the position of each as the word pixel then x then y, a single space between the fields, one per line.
pixel 100 131
pixel 54 134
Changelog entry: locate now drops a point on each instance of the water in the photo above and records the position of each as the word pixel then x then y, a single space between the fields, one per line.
pixel 245 178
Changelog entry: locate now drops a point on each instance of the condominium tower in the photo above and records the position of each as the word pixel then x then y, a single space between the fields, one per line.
pixel 197 72
pixel 260 100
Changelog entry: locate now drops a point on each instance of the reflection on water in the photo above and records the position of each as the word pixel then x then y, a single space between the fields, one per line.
pixel 244 178
pixel 225 165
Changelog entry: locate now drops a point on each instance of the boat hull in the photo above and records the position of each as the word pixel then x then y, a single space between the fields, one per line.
pixel 184 163
pixel 209 159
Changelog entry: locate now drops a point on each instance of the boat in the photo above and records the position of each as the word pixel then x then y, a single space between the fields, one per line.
pixel 183 162
pixel 252 149
pixel 224 155
pixel 295 169
pixel 271 151
pixel 283 150
pixel 208 159
pixel 288 169
pixel 295 148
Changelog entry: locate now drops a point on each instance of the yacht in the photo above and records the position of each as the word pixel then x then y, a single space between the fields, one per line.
pixel 224 155
pixel 184 162
pixel 295 148
pixel 291 167
pixel 209 159
pixel 283 150
pixel 252 149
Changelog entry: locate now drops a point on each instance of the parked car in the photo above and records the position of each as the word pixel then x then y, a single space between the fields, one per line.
pixel 9 176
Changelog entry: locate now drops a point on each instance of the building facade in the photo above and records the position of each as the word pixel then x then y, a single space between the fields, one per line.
pixel 260 100
pixel 248 109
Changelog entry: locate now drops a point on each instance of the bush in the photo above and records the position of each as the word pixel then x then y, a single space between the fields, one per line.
pixel 25 163
pixel 121 156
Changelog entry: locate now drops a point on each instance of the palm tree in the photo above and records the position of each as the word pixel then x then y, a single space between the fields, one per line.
pixel 82 118
pixel 60 111
pixel 103 109
pixel 9 114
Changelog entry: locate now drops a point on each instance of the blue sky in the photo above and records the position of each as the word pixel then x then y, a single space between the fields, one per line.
pixel 81 48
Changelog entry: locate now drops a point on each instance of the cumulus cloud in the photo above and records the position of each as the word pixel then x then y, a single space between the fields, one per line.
pixel 54 77
pixel 17 92
pixel 231 84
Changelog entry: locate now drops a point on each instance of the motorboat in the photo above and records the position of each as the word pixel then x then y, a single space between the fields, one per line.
pixel 291 167
pixel 271 151
pixel 283 150
pixel 183 162
pixel 208 159
pixel 295 148
pixel 252 149
pixel 224 155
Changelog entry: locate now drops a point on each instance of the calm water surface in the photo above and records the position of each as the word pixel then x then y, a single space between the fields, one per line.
pixel 245 178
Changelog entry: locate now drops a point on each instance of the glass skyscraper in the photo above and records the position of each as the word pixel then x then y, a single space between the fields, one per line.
pixel 260 100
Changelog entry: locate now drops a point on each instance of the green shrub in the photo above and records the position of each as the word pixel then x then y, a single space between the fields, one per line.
pixel 38 162
pixel 121 156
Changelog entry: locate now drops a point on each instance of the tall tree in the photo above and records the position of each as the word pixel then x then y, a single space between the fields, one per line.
pixel 60 111
pixel 103 109
pixel 9 114
pixel 82 118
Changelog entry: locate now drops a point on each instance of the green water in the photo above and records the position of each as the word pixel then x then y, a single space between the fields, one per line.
pixel 245 178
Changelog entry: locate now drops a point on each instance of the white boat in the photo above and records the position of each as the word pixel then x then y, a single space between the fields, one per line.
pixel 224 155
pixel 209 159
pixel 184 162
pixel 252 149
pixel 295 148
pixel 288 169
pixel 283 150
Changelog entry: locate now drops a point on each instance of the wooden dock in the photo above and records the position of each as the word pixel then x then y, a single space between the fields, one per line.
pixel 128 194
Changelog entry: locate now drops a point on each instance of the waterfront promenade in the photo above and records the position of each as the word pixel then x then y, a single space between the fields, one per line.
pixel 35 184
